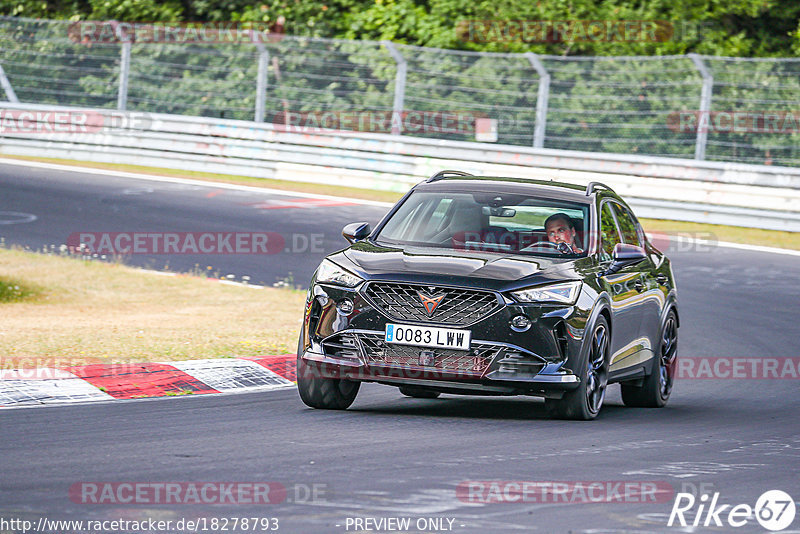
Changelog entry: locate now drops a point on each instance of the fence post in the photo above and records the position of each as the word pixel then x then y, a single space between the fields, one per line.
pixel 705 107
pixel 541 99
pixel 261 80
pixel 124 67
pixel 11 96
pixel 399 87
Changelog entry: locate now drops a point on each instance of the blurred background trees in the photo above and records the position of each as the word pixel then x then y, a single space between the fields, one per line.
pixel 754 28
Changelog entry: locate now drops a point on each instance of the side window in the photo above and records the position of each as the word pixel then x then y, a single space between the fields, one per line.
pixel 628 227
pixel 609 236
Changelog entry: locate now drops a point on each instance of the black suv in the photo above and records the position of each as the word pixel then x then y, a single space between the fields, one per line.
pixel 494 286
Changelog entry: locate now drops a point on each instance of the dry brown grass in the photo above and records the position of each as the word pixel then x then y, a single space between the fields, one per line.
pixel 90 312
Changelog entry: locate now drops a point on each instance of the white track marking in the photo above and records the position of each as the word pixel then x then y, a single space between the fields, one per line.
pixel 16 217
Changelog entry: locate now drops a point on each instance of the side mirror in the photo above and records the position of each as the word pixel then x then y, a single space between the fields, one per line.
pixel 625 255
pixel 356 231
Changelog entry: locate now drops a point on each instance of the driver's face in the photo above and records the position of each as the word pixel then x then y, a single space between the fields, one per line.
pixel 559 232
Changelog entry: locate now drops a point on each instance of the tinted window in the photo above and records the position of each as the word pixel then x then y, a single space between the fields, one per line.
pixel 609 236
pixel 628 227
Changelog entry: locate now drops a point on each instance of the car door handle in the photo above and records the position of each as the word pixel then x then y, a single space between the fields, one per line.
pixel 662 279
pixel 639 285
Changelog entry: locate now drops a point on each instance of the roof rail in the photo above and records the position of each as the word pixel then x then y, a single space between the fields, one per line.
pixel 444 174
pixel 594 185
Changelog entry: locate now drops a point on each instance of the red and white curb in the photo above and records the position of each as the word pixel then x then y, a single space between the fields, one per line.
pixel 107 382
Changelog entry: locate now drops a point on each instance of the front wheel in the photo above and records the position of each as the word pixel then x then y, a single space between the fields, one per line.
pixel 657 386
pixel 320 392
pixel 584 402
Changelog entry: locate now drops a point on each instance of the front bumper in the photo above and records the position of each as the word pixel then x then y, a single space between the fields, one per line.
pixel 488 368
pixel 500 360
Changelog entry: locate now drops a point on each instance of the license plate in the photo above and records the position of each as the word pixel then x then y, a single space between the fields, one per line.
pixel 428 336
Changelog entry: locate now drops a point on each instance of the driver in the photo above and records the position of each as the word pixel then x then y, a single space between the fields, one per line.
pixel 560 229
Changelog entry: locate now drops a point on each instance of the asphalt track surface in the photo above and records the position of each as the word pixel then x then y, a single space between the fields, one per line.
pixel 390 456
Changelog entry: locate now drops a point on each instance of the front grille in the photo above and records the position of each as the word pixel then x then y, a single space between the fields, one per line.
pixel 474 361
pixel 458 307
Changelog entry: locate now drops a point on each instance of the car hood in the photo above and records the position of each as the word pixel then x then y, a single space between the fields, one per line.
pixel 487 269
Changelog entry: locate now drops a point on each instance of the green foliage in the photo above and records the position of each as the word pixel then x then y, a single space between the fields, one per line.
pixel 402 21
pixel 716 27
pixel 136 10
pixel 796 40
pixel 762 28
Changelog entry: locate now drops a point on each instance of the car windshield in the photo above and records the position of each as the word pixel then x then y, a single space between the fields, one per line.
pixel 489 222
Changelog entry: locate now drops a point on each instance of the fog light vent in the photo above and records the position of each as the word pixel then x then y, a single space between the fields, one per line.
pixel 518 363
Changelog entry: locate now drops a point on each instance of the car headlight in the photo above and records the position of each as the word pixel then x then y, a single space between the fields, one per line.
pixel 565 292
pixel 331 273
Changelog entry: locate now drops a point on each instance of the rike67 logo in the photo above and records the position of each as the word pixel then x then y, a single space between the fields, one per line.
pixel 774 510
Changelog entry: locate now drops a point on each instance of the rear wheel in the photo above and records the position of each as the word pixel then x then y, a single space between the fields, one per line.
pixel 317 391
pixel 657 387
pixel 585 401
pixel 419 393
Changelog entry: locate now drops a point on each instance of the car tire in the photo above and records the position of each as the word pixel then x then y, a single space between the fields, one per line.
pixel 657 386
pixel 321 392
pixel 419 393
pixel 584 402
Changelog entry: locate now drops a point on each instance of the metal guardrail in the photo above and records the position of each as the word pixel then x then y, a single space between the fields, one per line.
pixel 721 193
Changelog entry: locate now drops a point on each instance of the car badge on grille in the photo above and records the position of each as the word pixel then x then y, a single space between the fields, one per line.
pixel 430 302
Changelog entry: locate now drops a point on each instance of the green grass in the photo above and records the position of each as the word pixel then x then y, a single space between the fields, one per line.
pixel 735 234
pixel 14 290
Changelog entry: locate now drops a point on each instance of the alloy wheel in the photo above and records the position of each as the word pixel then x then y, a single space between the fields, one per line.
pixel 669 345
pixel 596 376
